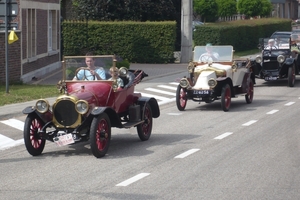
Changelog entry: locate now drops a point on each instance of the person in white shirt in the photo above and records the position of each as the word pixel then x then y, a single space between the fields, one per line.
pixel 271 45
pixel 209 55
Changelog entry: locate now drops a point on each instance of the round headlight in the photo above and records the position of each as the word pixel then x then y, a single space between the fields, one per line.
pixel 212 83
pixel 258 59
pixel 280 58
pixel 184 83
pixel 82 107
pixel 123 71
pixel 42 105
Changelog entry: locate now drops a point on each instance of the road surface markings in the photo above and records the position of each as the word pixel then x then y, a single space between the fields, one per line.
pixel 187 153
pixel 272 112
pixel 154 96
pixel 175 114
pixel 224 135
pixel 160 91
pixel 290 103
pixel 133 179
pixel 6 142
pixel 14 123
pixel 167 87
pixel 250 122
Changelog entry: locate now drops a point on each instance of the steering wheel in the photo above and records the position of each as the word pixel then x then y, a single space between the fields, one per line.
pixel 84 76
pixel 205 57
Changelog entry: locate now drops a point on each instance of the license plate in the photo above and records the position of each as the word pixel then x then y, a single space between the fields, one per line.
pixel 201 91
pixel 270 78
pixel 64 140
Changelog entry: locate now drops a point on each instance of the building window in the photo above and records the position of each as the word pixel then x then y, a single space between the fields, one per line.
pixel 52 30
pixel 31 33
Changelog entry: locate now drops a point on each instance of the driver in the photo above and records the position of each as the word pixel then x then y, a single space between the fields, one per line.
pixel 209 55
pixel 92 72
pixel 271 45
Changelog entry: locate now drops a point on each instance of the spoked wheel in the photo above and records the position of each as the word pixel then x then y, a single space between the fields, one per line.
pixel 250 93
pixel 144 129
pixel 291 76
pixel 34 144
pixel 100 135
pixel 181 98
pixel 226 97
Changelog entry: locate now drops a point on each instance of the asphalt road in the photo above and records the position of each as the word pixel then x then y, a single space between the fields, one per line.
pixel 250 152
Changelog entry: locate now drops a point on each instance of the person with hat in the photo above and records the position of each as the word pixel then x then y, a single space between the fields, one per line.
pixel 271 45
pixel 209 55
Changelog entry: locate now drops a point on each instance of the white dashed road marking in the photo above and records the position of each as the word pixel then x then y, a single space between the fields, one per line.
pixel 290 103
pixel 250 122
pixel 14 123
pixel 187 153
pixel 167 87
pixel 133 179
pixel 220 137
pixel 6 142
pixel 161 91
pixel 272 112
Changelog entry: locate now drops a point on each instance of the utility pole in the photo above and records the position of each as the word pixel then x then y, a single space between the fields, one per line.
pixel 186 31
pixel 6 49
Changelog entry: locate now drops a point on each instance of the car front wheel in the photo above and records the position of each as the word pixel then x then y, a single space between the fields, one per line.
pixel 181 98
pixel 291 76
pixel 34 144
pixel 144 130
pixel 250 93
pixel 226 97
pixel 100 135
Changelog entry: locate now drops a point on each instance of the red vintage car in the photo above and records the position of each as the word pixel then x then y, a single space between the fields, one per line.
pixel 87 110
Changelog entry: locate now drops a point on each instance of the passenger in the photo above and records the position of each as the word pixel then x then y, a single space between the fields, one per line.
pixel 209 55
pixel 92 72
pixel 271 45
pixel 114 72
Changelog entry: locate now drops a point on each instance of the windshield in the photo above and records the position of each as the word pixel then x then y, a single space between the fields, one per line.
pixel 72 63
pixel 213 53
pixel 278 43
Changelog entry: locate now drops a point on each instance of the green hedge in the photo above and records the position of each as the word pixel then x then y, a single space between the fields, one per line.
pixel 142 42
pixel 241 34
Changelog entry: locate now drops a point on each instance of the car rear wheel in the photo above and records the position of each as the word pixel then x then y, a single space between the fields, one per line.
pixel 100 135
pixel 250 93
pixel 144 130
pixel 34 144
pixel 226 97
pixel 181 98
pixel 291 76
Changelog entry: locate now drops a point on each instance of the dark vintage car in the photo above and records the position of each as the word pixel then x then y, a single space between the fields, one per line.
pixel 87 110
pixel 278 62
pixel 215 75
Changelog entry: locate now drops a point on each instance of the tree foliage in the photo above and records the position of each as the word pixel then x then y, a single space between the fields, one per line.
pixel 252 8
pixel 266 8
pixel 136 10
pixel 207 9
pixel 226 8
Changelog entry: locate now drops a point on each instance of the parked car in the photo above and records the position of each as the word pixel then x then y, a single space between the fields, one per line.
pixel 87 110
pixel 215 75
pixel 281 62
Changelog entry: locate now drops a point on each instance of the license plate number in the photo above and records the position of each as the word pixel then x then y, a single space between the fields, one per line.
pixel 201 92
pixel 270 78
pixel 64 140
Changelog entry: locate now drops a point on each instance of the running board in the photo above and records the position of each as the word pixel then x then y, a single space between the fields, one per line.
pixel 132 124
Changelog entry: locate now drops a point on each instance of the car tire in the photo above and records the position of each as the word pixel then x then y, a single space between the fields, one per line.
pixel 250 93
pixel 181 98
pixel 100 135
pixel 226 97
pixel 144 129
pixel 291 76
pixel 33 143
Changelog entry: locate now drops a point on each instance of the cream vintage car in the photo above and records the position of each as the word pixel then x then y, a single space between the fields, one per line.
pixel 214 75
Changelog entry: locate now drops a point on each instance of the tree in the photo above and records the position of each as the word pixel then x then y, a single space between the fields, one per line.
pixel 207 9
pixel 267 8
pixel 226 8
pixel 250 8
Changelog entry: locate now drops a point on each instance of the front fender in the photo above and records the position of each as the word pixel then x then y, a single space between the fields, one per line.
pixel 113 116
pixel 153 104
pixel 289 61
pixel 45 117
